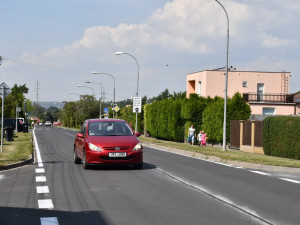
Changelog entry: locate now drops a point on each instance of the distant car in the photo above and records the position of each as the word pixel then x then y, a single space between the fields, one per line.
pixel 48 123
pixel 57 123
pixel 107 141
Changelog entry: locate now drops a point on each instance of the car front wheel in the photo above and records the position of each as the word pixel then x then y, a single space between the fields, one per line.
pixel 84 162
pixel 76 159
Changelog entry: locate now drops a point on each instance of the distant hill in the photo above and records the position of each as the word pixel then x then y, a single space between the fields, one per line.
pixel 47 105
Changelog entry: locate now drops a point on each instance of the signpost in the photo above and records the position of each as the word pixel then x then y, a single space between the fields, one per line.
pixel 4 91
pixel 137 108
pixel 137 104
pixel 18 109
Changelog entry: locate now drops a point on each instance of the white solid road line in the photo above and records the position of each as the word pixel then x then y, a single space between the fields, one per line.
pixel 290 180
pixel 38 154
pixel 49 221
pixel 45 204
pixel 1 176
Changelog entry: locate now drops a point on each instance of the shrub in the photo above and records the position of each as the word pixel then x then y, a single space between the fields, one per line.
pixel 281 137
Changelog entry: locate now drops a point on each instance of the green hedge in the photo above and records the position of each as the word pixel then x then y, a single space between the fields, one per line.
pixel 170 119
pixel 163 120
pixel 281 137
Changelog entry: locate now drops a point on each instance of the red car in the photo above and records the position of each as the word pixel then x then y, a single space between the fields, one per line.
pixel 107 141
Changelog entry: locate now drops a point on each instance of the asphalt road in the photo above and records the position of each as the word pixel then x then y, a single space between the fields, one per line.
pixel 170 189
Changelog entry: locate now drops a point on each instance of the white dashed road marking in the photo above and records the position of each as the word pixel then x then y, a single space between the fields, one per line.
pixel 42 189
pixel 261 173
pixel 49 221
pixel 40 179
pixel 40 170
pixel 237 167
pixel 45 204
pixel 290 180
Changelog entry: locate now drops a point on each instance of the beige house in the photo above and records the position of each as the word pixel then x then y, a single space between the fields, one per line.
pixel 266 92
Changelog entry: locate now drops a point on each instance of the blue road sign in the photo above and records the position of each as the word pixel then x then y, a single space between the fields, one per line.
pixel 106 110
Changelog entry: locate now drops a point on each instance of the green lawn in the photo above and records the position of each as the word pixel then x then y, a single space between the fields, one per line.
pixel 228 155
pixel 18 150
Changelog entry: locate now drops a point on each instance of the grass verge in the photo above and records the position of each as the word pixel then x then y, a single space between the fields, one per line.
pixel 18 150
pixel 228 155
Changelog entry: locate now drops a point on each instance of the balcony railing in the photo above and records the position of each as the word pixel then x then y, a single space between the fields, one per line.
pixel 276 98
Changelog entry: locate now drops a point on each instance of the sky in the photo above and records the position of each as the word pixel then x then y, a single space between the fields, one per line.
pixel 53 46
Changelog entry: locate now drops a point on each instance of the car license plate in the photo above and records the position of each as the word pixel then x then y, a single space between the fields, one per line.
pixel 117 154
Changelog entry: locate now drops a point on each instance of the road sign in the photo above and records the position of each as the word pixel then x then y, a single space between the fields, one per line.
pixel 137 104
pixel 106 110
pixel 4 89
pixel 18 109
pixel 116 108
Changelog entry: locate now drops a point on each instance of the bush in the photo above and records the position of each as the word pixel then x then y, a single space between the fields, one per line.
pixel 281 137
pixel 163 120
pixel 213 117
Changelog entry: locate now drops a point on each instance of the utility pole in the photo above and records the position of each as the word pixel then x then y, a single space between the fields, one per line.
pixel 37 91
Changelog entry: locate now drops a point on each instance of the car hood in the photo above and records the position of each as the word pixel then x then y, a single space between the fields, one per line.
pixel 106 141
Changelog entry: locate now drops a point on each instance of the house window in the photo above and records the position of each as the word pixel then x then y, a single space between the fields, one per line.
pixel 199 87
pixel 244 83
pixel 268 111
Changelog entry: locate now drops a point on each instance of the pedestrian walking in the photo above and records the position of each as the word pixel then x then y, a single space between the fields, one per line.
pixel 199 137
pixel 191 134
pixel 203 138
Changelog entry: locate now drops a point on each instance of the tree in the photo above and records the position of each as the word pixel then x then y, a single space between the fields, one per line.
pixel 15 99
pixel 238 109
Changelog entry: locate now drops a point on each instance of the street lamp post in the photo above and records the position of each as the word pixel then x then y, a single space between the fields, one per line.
pixel 89 82
pixel 87 87
pixel 226 78
pixel 72 93
pixel 114 88
pixel 138 73
pixel 138 77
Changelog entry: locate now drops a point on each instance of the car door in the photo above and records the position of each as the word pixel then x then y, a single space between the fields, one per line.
pixel 80 140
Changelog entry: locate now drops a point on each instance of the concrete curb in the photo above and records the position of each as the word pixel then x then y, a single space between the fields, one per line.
pixel 234 163
pixel 22 163
pixel 18 164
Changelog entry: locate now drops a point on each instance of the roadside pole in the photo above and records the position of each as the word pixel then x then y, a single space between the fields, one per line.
pixel 5 91
pixel 2 119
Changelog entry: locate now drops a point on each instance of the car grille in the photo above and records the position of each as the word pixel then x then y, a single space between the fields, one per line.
pixel 112 148
pixel 116 158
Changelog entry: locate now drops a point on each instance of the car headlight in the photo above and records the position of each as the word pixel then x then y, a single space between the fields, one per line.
pixel 138 147
pixel 95 147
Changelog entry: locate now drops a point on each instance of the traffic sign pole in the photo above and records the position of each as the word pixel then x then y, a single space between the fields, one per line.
pixel 5 91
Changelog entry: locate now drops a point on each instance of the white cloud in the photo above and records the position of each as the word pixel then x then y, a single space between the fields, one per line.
pixel 274 42
pixel 176 34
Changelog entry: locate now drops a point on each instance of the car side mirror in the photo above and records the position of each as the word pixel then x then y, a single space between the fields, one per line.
pixel 79 135
pixel 137 134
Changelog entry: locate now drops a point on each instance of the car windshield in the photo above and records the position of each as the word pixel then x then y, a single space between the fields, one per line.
pixel 117 128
